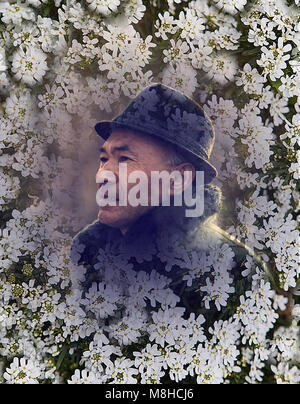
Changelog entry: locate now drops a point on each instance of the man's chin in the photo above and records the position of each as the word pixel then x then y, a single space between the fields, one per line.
pixel 119 216
pixel 110 215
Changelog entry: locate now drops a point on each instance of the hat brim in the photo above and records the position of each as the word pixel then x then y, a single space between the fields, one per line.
pixel 105 128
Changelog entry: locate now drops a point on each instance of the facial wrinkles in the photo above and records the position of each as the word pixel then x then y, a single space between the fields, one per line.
pixel 144 154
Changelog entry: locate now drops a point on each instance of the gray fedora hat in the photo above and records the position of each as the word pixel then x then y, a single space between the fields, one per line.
pixel 168 114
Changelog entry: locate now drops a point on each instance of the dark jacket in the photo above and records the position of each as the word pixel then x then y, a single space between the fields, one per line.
pixel 152 243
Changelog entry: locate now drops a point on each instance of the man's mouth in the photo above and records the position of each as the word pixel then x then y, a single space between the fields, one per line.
pixel 105 196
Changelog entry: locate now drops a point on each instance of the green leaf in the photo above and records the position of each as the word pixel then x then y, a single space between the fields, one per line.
pixel 62 356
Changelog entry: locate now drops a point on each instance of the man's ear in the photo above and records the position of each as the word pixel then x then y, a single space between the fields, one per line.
pixel 187 174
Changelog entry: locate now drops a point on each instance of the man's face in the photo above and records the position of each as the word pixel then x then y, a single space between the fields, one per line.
pixel 140 152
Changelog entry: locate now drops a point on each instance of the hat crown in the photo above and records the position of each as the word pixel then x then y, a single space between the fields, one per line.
pixel 159 109
pixel 170 115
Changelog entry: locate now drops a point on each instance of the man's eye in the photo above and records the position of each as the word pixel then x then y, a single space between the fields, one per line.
pixel 103 159
pixel 124 158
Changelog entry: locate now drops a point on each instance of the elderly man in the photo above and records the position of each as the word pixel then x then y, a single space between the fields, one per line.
pixel 163 131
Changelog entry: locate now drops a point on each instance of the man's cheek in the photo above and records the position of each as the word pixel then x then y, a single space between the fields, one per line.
pixel 108 215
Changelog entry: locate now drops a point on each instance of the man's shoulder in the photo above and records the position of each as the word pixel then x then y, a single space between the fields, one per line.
pixel 240 249
pixel 224 237
pixel 92 232
pixel 87 241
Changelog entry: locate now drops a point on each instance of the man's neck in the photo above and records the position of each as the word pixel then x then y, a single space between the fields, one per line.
pixel 124 229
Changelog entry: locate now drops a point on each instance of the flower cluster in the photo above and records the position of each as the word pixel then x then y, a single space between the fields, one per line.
pixel 64 65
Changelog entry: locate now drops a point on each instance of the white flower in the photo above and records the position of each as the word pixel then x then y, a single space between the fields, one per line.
pixel 278 108
pixel 226 37
pixel 84 377
pixel 16 13
pixel 261 35
pixel 56 124
pixel 117 66
pixel 105 7
pixel 221 109
pixel 29 65
pixel 195 327
pixel 144 287
pixel 172 6
pixel 103 92
pixel 200 55
pixel 176 365
pixel 255 373
pixel 257 137
pixel 222 67
pixel 292 130
pixel 149 360
pixel 295 65
pixel 140 49
pixel 286 342
pixel 198 265
pixel 290 86
pixel 23 371
pixel 123 371
pixel 182 77
pixel 75 98
pixel 20 108
pixel 101 299
pixel 285 374
pixel 29 159
pixel 60 269
pixel 225 335
pixel 274 229
pixel 231 6
pixel 135 10
pixel 210 373
pixel 27 35
pixel 70 310
pixel 295 167
pixel 3 66
pixel 273 59
pixel 128 330
pixel 112 267
pixel 168 326
pixel 257 205
pixel 9 188
pixel 165 25
pixel 118 34
pixel 82 53
pixel 51 97
pixel 4 83
pixel 190 24
pixel 177 52
pixel 251 80
pixel 217 291
pixel 97 357
pixel 265 98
